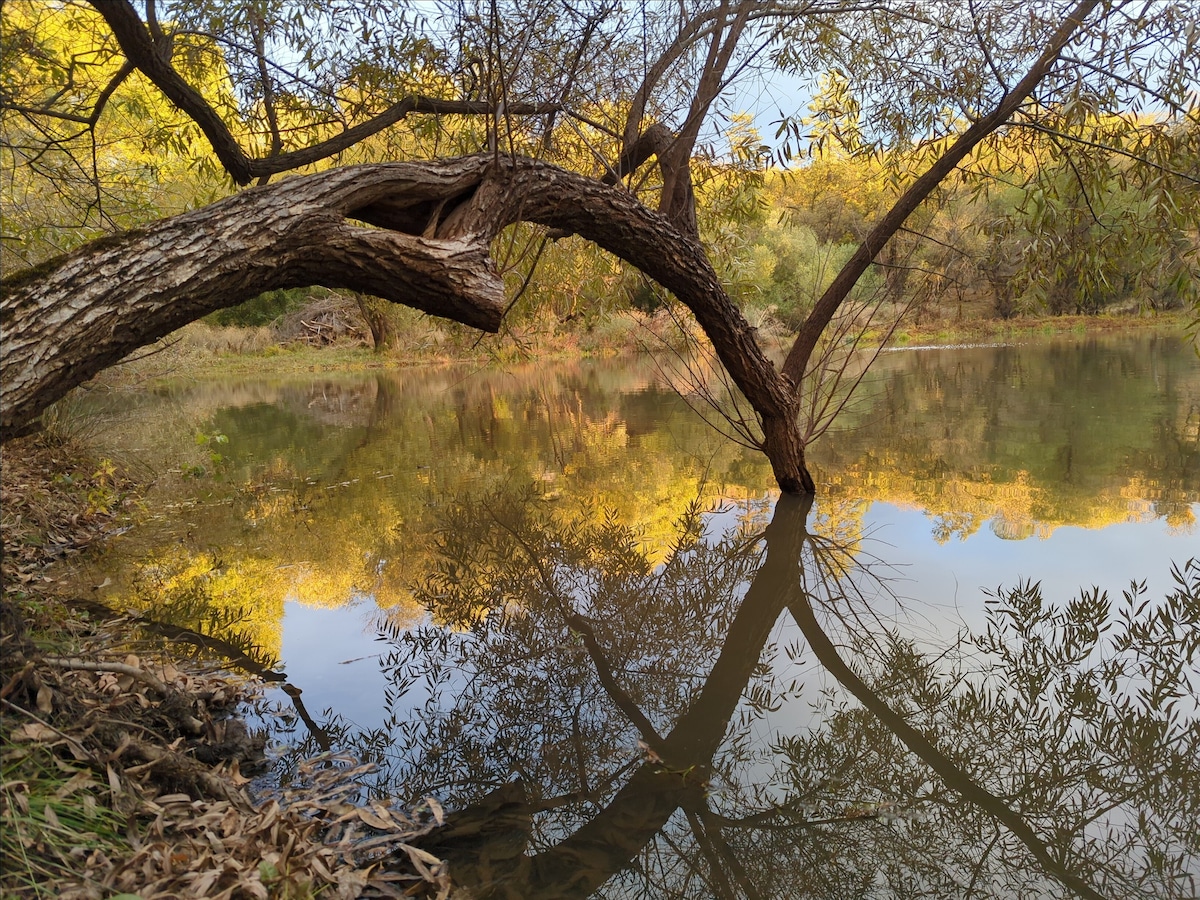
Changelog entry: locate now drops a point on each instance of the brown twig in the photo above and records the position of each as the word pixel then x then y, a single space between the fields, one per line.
pixel 119 668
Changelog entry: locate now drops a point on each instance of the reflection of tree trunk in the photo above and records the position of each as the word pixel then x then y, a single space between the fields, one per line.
pixel 485 842
pixel 320 735
pixel 585 860
pixel 388 396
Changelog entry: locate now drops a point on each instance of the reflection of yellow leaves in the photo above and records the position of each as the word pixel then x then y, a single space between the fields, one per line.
pixel 1181 519
pixel 1017 508
pixel 240 595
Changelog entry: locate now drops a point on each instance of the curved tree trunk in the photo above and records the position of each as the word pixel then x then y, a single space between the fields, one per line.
pixel 68 319
pixel 428 247
pixel 434 221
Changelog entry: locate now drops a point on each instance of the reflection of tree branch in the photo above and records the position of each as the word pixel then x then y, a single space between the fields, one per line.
pixel 801 608
pixel 977 870
pixel 718 879
pixel 717 841
pixel 584 628
pixel 764 819
pixel 612 687
pixel 580 863
pixel 580 753
pixel 231 653
pixel 323 738
pixel 596 791
pixel 588 857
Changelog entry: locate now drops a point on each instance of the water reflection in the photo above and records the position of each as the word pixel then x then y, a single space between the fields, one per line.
pixel 620 694
pixel 1027 439
pixel 592 713
pixel 328 488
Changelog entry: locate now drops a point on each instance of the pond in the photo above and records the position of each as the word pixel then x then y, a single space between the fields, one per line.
pixel 557 601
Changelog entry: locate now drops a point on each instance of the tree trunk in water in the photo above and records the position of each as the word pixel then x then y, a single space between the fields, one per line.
pixel 429 248
pixel 784 447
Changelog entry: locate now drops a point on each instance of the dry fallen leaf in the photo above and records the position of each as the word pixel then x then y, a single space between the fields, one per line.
pixel 235 774
pixel 77 781
pixel 384 813
pixel 114 782
pixel 34 731
pixel 439 815
pixel 369 818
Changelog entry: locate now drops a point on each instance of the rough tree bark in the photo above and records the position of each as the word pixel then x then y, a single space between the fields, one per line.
pixel 65 321
pixel 428 247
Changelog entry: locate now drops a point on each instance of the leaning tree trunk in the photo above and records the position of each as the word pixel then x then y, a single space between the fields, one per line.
pixel 432 224
pixel 68 319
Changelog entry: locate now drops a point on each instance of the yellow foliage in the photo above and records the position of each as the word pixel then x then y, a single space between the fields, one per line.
pixel 69 179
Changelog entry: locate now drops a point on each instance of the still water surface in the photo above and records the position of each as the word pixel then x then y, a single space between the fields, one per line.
pixel 556 593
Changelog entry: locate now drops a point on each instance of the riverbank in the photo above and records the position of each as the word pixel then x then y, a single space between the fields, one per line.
pixel 123 765
pixel 203 351
pixel 1034 328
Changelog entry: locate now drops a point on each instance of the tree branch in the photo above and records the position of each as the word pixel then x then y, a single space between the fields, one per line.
pixel 802 612
pixel 140 49
pixel 798 357
pixel 117 668
pixel 68 319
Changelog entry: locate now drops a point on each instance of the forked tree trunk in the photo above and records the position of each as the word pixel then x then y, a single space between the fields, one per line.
pixel 434 222
pixel 428 247
pixel 383 330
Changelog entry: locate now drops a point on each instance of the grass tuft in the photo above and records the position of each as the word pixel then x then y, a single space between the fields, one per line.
pixel 54 823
